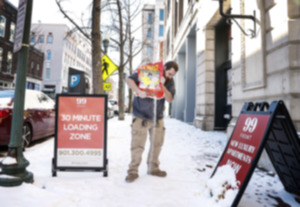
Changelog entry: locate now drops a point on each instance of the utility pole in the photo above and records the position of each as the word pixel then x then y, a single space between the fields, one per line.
pixel 14 165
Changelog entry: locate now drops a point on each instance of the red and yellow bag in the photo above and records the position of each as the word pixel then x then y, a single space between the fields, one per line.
pixel 149 79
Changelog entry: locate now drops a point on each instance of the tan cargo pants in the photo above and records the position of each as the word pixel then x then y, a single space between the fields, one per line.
pixel 139 132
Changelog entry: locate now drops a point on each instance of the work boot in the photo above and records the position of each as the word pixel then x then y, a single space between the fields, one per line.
pixel 131 177
pixel 158 173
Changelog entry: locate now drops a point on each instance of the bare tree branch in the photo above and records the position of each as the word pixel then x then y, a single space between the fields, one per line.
pixel 95 39
pixel 58 2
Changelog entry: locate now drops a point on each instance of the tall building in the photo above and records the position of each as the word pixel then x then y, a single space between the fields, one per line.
pixel 63 49
pixel 227 62
pixel 153 32
pixel 8 59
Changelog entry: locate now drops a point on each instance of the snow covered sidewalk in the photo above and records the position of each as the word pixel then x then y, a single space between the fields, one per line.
pixel 189 156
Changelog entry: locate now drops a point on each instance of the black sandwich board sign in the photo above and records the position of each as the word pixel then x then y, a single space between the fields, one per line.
pixel 263 126
pixel 80 133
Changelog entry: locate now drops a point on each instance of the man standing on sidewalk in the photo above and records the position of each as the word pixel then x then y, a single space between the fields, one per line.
pixel 143 122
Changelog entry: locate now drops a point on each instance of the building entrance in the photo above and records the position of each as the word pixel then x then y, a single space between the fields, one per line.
pixel 222 75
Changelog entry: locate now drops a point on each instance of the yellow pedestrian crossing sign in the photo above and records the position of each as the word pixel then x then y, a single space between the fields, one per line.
pixel 108 67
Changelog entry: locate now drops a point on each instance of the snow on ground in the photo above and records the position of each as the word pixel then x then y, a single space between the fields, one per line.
pixel 189 156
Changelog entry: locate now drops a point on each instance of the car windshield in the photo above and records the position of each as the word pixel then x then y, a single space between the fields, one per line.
pixel 113 102
pixel 6 94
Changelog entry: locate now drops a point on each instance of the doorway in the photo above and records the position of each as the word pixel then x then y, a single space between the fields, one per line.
pixel 223 75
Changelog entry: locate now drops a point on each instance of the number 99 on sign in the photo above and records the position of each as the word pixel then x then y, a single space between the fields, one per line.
pixel 250 124
pixel 81 100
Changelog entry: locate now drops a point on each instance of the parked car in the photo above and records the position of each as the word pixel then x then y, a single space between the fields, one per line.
pixel 110 110
pixel 38 119
pixel 115 105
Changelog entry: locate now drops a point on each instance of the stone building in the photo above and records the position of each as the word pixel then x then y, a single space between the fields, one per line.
pixel 227 62
pixel 153 32
pixel 63 49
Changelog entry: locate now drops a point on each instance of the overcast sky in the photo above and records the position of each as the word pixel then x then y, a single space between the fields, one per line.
pixel 48 12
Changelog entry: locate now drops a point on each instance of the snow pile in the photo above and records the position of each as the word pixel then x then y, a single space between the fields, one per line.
pixel 189 156
pixel 221 189
pixel 9 161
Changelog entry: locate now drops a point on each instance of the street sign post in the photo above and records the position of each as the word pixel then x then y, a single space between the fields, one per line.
pixel 20 25
pixel 14 174
pixel 259 127
pixel 107 86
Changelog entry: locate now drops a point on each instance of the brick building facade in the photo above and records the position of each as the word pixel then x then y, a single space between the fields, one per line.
pixel 8 59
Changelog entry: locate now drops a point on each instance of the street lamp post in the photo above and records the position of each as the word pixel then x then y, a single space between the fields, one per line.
pixel 13 168
pixel 105 42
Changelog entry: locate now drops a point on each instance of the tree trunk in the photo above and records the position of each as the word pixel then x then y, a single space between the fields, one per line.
pixel 130 94
pixel 96 48
pixel 121 67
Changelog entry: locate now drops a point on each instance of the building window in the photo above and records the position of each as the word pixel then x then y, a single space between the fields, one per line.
pixel 49 54
pixel 150 18
pixel 32 68
pixel 149 50
pixel 149 35
pixel 65 73
pixel 4 84
pixel 32 39
pixel 37 87
pixel 168 8
pixel 2 26
pixel 38 70
pixel 50 38
pixel 168 43
pixel 1 58
pixel 9 62
pixel 180 8
pixel 161 15
pixel 161 30
pixel 41 39
pixel 29 85
pixel 48 73
pixel 12 31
